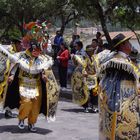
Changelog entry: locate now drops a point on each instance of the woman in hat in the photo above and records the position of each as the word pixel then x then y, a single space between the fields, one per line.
pixel 118 94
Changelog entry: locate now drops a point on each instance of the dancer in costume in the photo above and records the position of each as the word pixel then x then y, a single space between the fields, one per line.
pixel 91 80
pixel 118 93
pixel 32 85
pixel 5 66
pixel 84 81
pixel 14 48
pixel 79 87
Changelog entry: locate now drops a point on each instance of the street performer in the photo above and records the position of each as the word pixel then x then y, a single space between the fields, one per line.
pixel 84 81
pixel 118 93
pixel 90 79
pixel 32 86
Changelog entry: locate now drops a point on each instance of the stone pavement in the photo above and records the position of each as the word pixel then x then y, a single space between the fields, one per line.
pixel 71 124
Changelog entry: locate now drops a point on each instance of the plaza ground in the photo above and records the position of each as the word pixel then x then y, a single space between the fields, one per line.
pixel 71 124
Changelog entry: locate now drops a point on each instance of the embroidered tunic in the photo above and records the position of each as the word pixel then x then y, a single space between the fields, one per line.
pixel 118 99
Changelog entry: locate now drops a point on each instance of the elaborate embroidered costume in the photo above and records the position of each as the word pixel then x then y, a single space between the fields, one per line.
pixel 79 87
pixel 33 88
pixel 84 87
pixel 4 71
pixel 90 79
pixel 118 97
pixel 4 68
pixel 29 77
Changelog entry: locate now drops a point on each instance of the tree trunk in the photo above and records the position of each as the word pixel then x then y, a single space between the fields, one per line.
pixel 63 25
pixel 103 22
pixel 63 28
pixel 137 35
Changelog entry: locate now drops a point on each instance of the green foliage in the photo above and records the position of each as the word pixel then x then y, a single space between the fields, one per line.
pixel 15 12
pixel 127 13
pixel 14 33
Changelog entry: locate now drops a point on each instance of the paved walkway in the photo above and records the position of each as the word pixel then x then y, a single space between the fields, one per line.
pixel 71 124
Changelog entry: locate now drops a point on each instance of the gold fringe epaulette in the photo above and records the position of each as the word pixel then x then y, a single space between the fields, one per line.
pixel 40 63
pixel 121 64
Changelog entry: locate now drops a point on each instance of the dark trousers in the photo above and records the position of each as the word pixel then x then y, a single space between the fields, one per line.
pixel 62 75
pixel 92 100
pixel 56 50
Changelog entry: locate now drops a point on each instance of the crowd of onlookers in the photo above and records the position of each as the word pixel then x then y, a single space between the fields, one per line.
pixel 62 52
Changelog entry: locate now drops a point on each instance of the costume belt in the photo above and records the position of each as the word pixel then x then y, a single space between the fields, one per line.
pixel 29 82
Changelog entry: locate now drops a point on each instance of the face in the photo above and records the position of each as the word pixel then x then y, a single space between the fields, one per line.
pixel 94 44
pixel 35 50
pixel 62 46
pixel 73 37
pixel 97 35
pixel 77 47
pixel 128 46
pixel 58 33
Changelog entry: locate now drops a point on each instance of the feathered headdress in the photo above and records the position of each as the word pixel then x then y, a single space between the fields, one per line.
pixel 36 35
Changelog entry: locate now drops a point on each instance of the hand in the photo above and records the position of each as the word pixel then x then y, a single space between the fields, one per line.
pixel 72 55
pixel 58 57
pixel 10 79
pixel 85 74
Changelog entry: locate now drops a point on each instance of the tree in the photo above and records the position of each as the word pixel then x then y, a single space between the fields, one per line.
pixel 17 12
pixel 97 10
pixel 104 11
pixel 127 13
pixel 64 11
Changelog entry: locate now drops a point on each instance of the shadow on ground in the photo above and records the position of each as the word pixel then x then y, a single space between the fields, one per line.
pixel 76 110
pixel 65 100
pixel 2 116
pixel 15 129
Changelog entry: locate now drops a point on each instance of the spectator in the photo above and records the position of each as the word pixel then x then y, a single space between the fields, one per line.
pixel 47 47
pixel 57 41
pixel 79 48
pixel 63 57
pixel 72 44
pixel 77 38
pixel 100 42
pixel 106 46
pixel 94 44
